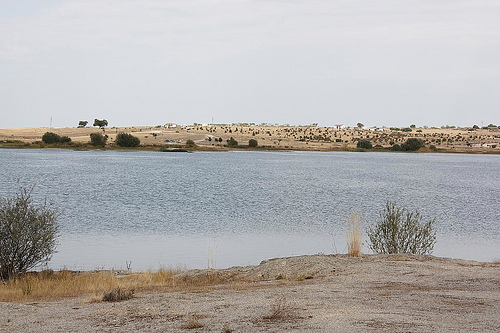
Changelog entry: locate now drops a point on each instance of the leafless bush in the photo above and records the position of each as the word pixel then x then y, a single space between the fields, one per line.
pixel 280 309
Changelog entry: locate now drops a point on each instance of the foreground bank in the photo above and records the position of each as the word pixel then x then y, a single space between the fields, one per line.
pixel 320 293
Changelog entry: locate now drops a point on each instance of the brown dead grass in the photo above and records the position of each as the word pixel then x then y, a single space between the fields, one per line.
pixel 193 322
pixel 280 309
pixel 54 285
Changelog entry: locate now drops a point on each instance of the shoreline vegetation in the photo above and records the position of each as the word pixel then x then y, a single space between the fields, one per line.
pixel 263 138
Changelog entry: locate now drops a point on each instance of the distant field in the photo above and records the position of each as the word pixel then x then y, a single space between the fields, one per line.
pixel 278 137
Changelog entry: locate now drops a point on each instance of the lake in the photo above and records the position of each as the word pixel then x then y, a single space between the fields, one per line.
pixel 219 209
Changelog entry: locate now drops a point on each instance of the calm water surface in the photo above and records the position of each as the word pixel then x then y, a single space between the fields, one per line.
pixel 237 208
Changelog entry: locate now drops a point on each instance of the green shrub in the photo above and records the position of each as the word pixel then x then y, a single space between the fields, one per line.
pixel 253 143
pixel 127 140
pixel 27 234
pixel 98 140
pixel 190 143
pixel 64 139
pixel 364 144
pixel 412 144
pixel 51 137
pixel 232 142
pixel 396 147
pixel 401 231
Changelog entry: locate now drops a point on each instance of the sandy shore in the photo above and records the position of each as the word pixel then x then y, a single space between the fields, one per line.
pixel 278 137
pixel 320 293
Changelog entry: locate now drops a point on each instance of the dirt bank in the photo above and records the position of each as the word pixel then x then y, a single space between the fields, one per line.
pixel 320 293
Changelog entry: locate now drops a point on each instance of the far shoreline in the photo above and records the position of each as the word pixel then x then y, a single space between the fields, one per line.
pixel 268 138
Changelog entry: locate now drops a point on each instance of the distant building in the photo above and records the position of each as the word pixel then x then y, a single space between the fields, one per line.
pixel 170 125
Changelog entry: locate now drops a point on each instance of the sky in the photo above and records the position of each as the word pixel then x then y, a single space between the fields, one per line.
pixel 297 62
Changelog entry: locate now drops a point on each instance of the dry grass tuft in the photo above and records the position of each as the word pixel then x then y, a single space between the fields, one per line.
pixel 227 329
pixel 280 309
pixel 354 239
pixel 193 322
pixel 117 295
pixel 36 286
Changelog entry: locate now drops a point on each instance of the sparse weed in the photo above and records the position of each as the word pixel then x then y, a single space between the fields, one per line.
pixel 227 329
pixel 280 309
pixel 193 322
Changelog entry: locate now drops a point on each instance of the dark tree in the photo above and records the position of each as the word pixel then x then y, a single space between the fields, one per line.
pixel 82 123
pixel 253 143
pixel 100 123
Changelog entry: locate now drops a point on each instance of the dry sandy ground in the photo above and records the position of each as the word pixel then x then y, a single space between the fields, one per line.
pixel 295 137
pixel 321 293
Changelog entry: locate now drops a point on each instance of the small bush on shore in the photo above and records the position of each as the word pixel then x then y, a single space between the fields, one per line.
pixel 98 140
pixel 28 234
pixel 127 140
pixel 396 147
pixel 412 144
pixel 364 144
pixel 51 137
pixel 401 231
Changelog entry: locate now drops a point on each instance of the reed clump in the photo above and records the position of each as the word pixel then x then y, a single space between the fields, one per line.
pixel 354 238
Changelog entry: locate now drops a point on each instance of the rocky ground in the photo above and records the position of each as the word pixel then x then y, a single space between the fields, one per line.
pixel 320 293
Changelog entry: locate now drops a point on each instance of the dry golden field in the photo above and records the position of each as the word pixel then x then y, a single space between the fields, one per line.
pixel 279 137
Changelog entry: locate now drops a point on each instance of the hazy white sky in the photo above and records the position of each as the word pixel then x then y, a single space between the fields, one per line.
pixel 148 62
